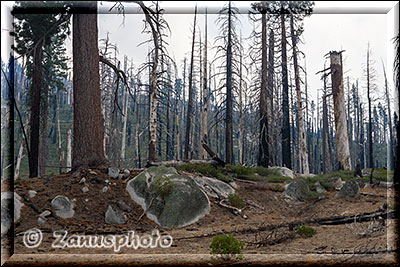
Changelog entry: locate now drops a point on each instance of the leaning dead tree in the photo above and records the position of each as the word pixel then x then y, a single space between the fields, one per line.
pixel 342 143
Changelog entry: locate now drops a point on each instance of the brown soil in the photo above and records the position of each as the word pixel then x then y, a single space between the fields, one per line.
pixel 91 206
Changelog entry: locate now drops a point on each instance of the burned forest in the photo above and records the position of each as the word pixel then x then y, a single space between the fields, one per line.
pixel 228 133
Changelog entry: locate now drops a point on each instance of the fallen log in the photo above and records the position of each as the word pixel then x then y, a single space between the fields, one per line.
pixel 181 162
pixel 321 221
pixel 213 155
pixel 232 209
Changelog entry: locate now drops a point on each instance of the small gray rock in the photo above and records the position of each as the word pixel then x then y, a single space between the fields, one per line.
pixel 121 176
pixel 113 172
pixel 45 213
pixel 114 216
pixel 85 189
pixel 93 173
pixel 319 188
pixel 107 181
pixel 32 193
pixel 349 190
pixel 83 180
pixel 63 207
pixel 41 220
pixel 105 189
pixel 126 171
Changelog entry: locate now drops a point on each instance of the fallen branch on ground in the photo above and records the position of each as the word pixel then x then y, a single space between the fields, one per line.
pixel 323 221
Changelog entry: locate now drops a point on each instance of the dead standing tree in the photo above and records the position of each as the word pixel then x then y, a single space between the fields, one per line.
pixel 342 142
pixel 190 103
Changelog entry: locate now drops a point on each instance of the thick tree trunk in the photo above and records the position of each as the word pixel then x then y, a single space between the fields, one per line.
pixel 35 109
pixel 229 97
pixel 342 142
pixel 286 150
pixel 43 141
pixel 303 164
pixel 88 132
pixel 190 103
pixel 263 152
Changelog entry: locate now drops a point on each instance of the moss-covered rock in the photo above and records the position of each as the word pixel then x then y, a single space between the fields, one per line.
pixel 298 190
pixel 184 204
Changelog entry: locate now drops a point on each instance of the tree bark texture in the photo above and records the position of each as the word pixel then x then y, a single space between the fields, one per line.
pixel 35 109
pixel 88 132
pixel 303 166
pixel 263 153
pixel 286 150
pixel 342 143
pixel 190 103
pixel 229 97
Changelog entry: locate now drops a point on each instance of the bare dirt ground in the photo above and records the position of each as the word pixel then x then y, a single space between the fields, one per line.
pixel 273 209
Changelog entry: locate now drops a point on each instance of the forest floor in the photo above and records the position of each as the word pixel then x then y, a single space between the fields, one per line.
pixel 272 208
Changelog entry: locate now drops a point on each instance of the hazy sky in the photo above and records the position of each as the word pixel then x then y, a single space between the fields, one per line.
pixel 324 32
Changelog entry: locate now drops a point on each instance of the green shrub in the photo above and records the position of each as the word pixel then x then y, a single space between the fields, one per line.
pixel 239 170
pixel 278 179
pixel 163 186
pixel 265 171
pixel 227 246
pixel 236 201
pixel 277 188
pixel 224 178
pixel 305 231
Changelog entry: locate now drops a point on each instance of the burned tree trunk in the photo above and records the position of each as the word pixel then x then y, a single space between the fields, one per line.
pixel 205 94
pixel 229 97
pixel 286 150
pixel 370 144
pixel 270 94
pixel 263 152
pixel 69 149
pixel 390 143
pixel 303 164
pixel 342 142
pixel 125 116
pixel 189 110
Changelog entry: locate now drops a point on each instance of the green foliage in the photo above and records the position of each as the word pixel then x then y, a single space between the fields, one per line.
pixel 214 171
pixel 277 188
pixel 278 179
pixel 305 231
pixel 379 174
pixel 236 201
pixel 242 172
pixel 163 186
pixel 227 246
pixel 265 171
pixel 239 170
